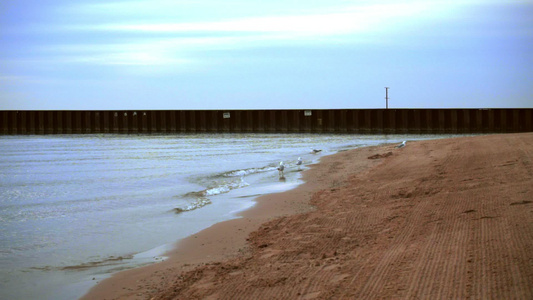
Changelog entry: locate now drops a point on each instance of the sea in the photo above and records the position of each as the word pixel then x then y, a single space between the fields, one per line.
pixel 75 209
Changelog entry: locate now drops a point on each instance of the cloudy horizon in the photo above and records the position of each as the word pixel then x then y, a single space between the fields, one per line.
pixel 208 54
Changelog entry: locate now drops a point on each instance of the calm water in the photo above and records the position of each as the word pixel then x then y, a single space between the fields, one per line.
pixel 75 208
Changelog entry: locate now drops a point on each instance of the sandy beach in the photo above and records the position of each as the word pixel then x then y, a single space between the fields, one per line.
pixel 439 219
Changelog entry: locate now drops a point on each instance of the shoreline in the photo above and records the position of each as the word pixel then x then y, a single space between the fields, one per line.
pixel 446 218
pixel 221 241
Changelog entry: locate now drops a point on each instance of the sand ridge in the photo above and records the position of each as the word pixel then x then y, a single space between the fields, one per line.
pixel 438 219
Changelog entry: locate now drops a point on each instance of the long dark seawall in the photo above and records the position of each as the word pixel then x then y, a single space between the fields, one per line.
pixel 265 121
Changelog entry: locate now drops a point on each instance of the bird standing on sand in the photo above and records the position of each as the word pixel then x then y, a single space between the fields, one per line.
pixel 280 169
pixel 401 145
pixel 299 163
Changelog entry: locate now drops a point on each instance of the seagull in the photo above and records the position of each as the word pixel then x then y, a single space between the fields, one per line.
pixel 401 145
pixel 280 169
pixel 315 151
pixel 299 163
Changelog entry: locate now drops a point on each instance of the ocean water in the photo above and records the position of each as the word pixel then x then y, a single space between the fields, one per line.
pixel 76 208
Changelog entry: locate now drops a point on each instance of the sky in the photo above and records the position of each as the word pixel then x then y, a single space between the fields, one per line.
pixel 276 54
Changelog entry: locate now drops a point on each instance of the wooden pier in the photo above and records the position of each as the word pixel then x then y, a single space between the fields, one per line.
pixel 268 121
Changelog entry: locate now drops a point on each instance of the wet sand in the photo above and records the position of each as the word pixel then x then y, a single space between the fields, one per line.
pixel 446 218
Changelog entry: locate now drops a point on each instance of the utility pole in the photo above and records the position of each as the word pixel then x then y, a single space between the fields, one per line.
pixel 387 97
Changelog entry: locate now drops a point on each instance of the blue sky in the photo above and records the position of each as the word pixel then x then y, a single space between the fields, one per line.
pixel 249 54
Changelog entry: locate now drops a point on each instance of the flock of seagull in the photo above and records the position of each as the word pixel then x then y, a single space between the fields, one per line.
pixel 281 166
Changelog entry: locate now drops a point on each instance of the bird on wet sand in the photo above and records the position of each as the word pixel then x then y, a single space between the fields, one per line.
pixel 280 169
pixel 299 162
pixel 401 145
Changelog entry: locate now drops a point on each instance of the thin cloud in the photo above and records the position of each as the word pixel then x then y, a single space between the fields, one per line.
pixel 349 20
pixel 161 43
pixel 155 43
pixel 272 50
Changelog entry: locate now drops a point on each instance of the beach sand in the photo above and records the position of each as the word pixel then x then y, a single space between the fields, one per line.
pixel 436 219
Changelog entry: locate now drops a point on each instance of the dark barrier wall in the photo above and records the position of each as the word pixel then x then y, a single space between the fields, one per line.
pixel 326 121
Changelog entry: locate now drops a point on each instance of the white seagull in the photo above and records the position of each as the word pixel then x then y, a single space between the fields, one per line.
pixel 401 145
pixel 299 162
pixel 280 169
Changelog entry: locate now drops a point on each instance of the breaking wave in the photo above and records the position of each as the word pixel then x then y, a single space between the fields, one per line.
pixel 200 202
pixel 201 198
pixel 109 261
pixel 241 173
pixel 220 183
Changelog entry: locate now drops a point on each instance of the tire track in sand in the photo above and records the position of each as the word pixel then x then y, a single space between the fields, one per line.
pixel 436 267
pixel 397 250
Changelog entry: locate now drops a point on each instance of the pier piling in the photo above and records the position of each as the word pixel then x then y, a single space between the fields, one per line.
pixel 269 121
